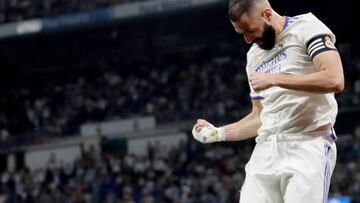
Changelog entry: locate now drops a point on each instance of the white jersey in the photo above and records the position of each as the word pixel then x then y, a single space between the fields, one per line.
pixel 284 110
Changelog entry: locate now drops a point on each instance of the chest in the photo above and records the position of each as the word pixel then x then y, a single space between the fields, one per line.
pixel 285 57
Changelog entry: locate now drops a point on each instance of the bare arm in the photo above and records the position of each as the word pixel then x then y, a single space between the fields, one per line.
pixel 246 127
pixel 329 76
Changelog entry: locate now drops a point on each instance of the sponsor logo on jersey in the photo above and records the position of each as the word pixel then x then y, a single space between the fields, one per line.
pixel 273 65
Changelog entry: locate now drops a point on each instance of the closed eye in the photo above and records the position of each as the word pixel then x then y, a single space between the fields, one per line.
pixel 249 31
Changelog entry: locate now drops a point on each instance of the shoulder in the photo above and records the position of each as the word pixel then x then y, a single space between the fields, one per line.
pixel 307 17
pixel 307 26
pixel 298 22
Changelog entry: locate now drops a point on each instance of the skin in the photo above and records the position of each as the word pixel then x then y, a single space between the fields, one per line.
pixel 244 129
pixel 328 77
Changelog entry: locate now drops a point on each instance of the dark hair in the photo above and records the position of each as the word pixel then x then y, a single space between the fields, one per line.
pixel 238 7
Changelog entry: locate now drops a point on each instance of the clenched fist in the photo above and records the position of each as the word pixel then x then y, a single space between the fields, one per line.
pixel 205 132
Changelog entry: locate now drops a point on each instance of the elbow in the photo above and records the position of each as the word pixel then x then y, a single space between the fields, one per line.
pixel 338 86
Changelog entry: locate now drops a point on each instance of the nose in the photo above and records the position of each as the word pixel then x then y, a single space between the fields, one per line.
pixel 248 38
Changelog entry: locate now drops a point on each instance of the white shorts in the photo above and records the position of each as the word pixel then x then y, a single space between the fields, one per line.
pixel 292 168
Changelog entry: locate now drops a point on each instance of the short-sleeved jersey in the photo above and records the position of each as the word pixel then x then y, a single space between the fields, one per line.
pixel 291 111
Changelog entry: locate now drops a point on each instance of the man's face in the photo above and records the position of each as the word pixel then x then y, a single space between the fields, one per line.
pixel 256 30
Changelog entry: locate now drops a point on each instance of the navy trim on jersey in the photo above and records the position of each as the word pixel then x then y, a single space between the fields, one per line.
pixel 257 98
pixel 327 174
pixel 289 20
pixel 333 135
pixel 292 19
pixel 286 22
pixel 319 44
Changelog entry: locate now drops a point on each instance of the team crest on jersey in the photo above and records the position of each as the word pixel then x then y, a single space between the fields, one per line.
pixel 329 43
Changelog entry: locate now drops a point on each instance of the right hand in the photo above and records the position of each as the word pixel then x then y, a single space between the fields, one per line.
pixel 205 132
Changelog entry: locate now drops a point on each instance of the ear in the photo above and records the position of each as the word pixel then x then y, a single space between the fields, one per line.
pixel 267 14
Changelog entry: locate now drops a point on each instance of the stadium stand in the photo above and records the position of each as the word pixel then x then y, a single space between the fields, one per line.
pixel 54 82
pixel 19 10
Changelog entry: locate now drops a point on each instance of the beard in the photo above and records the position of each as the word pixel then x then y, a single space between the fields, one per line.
pixel 268 39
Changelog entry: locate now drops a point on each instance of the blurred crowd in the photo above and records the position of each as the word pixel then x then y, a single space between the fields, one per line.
pixel 173 87
pixel 346 177
pixel 175 91
pixel 19 10
pixel 188 173
pixel 208 82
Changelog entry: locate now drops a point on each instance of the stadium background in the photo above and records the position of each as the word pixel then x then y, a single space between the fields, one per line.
pixel 97 99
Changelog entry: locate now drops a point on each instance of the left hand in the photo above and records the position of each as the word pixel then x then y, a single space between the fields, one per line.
pixel 261 81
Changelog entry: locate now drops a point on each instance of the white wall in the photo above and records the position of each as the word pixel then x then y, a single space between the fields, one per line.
pixel 40 158
pixel 139 145
pixel 118 126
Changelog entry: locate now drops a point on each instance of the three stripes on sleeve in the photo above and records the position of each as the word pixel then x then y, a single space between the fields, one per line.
pixel 319 44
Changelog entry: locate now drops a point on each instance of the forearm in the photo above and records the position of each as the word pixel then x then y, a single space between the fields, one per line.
pixel 318 82
pixel 243 129
pixel 205 132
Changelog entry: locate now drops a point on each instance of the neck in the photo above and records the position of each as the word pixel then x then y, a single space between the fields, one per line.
pixel 278 23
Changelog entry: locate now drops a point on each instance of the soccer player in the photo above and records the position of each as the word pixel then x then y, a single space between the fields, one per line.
pixel 294 69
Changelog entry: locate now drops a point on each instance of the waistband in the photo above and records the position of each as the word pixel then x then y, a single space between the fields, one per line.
pixel 288 137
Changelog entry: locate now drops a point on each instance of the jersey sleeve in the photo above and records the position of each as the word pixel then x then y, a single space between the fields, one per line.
pixel 253 94
pixel 316 36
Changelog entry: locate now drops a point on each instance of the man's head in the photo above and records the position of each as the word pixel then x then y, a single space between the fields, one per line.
pixel 252 18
